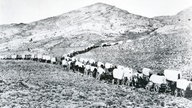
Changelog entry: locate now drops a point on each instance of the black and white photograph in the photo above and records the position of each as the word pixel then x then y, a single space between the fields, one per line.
pixel 95 53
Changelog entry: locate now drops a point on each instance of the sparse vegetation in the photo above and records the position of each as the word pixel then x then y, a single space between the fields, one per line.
pixel 50 86
pixel 157 43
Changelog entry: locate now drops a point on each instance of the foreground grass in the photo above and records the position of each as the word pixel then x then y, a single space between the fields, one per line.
pixel 50 86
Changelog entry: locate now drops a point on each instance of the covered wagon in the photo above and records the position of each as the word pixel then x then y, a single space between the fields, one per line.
pixel 1 57
pixel 27 56
pixel 48 59
pixel 157 83
pixel 146 75
pixel 171 77
pixel 39 57
pixel 54 60
pixel 19 57
pixel 100 64
pixel 105 44
pixel 147 71
pixel 108 65
pixel 118 75
pixel 13 57
pixel 92 62
pixel 127 76
pixel 32 56
pixel 64 63
pixel 8 57
pixel 184 87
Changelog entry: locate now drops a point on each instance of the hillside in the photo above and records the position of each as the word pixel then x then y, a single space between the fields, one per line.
pixel 168 47
pixel 159 43
pixel 74 30
pixel 183 17
pixel 47 85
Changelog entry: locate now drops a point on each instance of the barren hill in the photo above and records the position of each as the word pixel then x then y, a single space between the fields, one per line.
pixel 168 47
pixel 76 29
pixel 159 43
pixel 183 17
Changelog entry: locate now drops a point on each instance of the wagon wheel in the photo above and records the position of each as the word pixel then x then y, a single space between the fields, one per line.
pixel 176 92
pixel 156 89
pixel 182 93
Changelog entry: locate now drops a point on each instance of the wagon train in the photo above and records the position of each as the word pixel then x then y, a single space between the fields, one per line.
pixel 170 81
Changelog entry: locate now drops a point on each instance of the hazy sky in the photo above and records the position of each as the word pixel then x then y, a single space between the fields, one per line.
pixel 17 11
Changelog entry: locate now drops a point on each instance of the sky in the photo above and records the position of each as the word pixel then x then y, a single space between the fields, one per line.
pixel 25 11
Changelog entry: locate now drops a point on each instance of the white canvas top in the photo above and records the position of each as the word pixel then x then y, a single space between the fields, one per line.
pixel 172 75
pixel 99 64
pixel 157 79
pixel 64 62
pixel 118 73
pixel 146 71
pixel 183 83
pixel 53 59
pixel 108 65
pixel 128 72
pixel 88 67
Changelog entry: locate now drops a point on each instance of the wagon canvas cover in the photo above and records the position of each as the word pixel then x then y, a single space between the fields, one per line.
pixel 172 75
pixel 183 83
pixel 118 73
pixel 158 79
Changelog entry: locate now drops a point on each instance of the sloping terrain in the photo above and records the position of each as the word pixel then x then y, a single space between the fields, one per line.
pixel 184 17
pixel 79 28
pixel 30 85
pixel 168 47
pixel 158 43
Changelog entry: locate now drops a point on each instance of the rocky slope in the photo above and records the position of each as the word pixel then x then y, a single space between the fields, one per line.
pixel 92 24
pixel 168 47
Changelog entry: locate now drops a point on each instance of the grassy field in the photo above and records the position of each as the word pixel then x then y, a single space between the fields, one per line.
pixel 40 85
